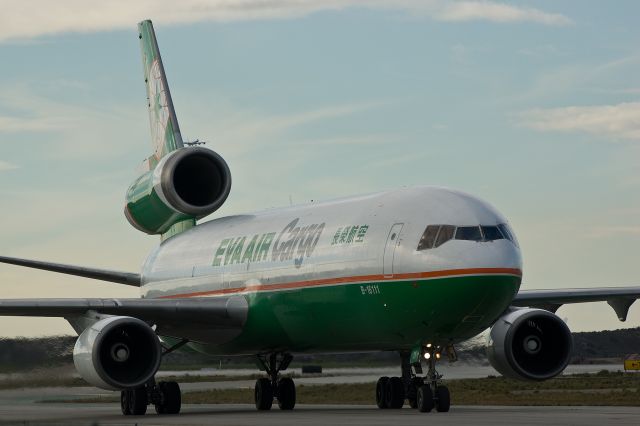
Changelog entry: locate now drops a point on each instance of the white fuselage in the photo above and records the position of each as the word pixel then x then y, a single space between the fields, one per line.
pixel 197 261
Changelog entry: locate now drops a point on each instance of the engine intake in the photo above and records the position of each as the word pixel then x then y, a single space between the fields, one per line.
pixel 188 183
pixel 529 344
pixel 195 181
pixel 117 353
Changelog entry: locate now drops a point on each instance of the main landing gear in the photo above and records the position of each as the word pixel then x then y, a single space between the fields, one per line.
pixel 165 396
pixel 423 393
pixel 283 389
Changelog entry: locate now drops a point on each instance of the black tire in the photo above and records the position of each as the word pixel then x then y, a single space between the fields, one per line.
pixel 137 401
pixel 425 399
pixel 381 392
pixel 412 391
pixel 124 402
pixel 286 393
pixel 395 393
pixel 161 408
pixel 263 394
pixel 442 399
pixel 412 395
pixel 171 398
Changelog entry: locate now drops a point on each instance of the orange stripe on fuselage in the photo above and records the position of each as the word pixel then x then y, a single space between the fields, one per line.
pixel 348 280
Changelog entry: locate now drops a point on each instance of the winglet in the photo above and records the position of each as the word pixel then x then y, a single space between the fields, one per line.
pixel 165 132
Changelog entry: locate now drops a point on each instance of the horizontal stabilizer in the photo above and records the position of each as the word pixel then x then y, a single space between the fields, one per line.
pixel 126 278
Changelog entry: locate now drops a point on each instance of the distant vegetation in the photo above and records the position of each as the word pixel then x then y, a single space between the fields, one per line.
pixel 606 344
pixel 25 354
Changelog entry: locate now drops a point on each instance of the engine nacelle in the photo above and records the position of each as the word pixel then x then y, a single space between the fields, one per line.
pixel 188 183
pixel 529 344
pixel 117 353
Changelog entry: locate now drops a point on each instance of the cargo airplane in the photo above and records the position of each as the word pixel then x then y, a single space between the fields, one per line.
pixel 414 271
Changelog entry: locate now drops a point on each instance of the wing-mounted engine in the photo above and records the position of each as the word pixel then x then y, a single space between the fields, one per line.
pixel 189 183
pixel 117 353
pixel 529 344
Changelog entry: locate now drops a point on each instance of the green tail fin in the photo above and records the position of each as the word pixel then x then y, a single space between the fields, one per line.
pixel 165 132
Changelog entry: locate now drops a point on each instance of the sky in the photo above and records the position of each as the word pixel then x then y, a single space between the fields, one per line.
pixel 532 106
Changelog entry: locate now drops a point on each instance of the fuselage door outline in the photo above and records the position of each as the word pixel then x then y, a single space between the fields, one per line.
pixel 393 240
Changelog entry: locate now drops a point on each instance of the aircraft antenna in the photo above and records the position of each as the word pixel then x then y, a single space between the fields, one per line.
pixel 195 142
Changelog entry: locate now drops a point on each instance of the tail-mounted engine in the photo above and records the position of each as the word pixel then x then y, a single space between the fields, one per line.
pixel 529 344
pixel 188 183
pixel 117 353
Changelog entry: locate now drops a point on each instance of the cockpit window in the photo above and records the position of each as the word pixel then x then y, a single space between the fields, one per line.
pixel 491 233
pixel 445 234
pixel 436 235
pixel 428 237
pixel 508 233
pixel 505 231
pixel 471 233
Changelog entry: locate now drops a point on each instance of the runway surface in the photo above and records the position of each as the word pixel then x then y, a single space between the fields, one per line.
pixel 30 406
pixel 333 376
pixel 244 414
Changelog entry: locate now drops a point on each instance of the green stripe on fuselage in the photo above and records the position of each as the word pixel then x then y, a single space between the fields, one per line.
pixel 372 316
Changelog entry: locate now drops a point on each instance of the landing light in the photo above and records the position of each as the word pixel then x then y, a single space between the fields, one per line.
pixel 438 355
pixel 427 355
pixel 428 345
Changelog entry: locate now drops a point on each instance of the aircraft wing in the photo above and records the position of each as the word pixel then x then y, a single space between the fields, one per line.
pixel 218 312
pixel 127 278
pixel 619 298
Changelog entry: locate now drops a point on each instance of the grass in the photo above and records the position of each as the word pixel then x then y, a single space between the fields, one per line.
pixel 604 388
pixel 39 381
pixel 194 378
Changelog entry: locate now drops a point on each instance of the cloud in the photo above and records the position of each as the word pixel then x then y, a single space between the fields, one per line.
pixel 4 166
pixel 34 18
pixel 357 140
pixel 250 128
pixel 64 126
pixel 12 124
pixel 621 121
pixel 497 12
pixel 571 77
pixel 614 232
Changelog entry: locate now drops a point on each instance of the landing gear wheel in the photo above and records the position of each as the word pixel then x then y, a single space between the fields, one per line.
pixel 413 402
pixel 133 402
pixel 171 398
pixel 394 397
pixel 124 402
pixel 286 393
pixel 442 399
pixel 412 391
pixel 381 392
pixel 425 399
pixel 263 394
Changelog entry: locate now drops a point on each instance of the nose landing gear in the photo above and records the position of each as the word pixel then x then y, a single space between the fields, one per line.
pixel 423 393
pixel 281 388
